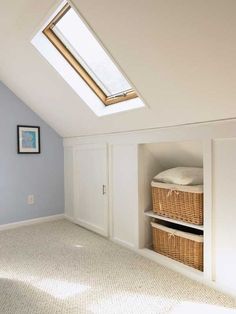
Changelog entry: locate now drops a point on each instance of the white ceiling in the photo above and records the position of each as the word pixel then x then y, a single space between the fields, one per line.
pixel 179 54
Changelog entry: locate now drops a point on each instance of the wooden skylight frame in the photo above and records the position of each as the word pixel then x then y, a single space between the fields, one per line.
pixel 67 54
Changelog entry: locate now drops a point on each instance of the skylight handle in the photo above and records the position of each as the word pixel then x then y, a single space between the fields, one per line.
pixel 103 189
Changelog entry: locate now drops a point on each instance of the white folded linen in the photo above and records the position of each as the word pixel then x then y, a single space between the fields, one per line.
pixel 176 187
pixel 181 175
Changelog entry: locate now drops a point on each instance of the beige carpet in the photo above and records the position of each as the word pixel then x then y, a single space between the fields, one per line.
pixel 58 267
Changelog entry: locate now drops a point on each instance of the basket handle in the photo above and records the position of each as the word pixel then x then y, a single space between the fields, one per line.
pixel 172 191
pixel 172 235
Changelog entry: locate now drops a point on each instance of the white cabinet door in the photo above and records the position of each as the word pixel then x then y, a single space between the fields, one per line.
pixel 90 187
pixel 224 201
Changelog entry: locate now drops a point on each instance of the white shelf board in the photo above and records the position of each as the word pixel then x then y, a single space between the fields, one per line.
pixel 150 213
pixel 172 264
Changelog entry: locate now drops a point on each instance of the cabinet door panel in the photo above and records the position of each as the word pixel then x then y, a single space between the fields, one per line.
pixel 90 184
pixel 125 194
pixel 224 200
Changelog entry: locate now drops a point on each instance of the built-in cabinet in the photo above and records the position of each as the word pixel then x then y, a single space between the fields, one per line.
pixel 88 178
pixel 107 190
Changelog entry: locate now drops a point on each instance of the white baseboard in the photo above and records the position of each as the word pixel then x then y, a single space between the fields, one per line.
pixel 123 243
pixel 172 264
pixel 87 225
pixel 31 222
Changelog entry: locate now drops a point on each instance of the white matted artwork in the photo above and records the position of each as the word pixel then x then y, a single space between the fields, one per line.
pixel 28 139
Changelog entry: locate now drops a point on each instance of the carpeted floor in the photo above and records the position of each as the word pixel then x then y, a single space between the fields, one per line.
pixel 58 267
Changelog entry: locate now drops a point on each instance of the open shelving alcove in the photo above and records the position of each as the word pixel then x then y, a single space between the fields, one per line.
pixel 157 157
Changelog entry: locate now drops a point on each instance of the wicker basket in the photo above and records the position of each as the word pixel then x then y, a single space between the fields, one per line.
pixel 178 202
pixel 181 246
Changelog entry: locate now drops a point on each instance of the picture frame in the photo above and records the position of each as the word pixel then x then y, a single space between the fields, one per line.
pixel 28 139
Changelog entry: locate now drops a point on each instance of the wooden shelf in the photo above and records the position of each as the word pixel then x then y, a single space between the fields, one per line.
pixel 150 213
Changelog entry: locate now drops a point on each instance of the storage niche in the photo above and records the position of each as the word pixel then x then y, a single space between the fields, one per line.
pixel 154 158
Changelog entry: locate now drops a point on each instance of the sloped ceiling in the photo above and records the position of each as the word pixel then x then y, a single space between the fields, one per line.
pixel 179 54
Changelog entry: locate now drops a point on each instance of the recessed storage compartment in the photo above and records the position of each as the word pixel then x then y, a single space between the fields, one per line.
pixel 183 203
pixel 179 243
pixel 172 224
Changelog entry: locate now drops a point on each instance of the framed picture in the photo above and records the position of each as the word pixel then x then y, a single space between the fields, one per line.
pixel 28 139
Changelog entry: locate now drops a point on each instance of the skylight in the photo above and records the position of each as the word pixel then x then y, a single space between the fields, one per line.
pixel 76 43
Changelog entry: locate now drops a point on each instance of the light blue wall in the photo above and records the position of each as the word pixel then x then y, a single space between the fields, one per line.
pixel 21 175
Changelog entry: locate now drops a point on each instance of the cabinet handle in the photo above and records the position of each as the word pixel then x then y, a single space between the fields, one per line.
pixel 103 189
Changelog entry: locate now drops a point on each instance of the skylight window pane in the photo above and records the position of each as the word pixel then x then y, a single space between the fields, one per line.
pixel 80 41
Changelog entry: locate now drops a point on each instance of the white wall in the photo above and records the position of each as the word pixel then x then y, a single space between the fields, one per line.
pixel 177 154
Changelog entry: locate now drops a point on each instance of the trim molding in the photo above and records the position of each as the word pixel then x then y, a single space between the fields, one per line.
pixel 122 243
pixel 29 222
pixel 152 129
pixel 88 226
pixel 189 132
